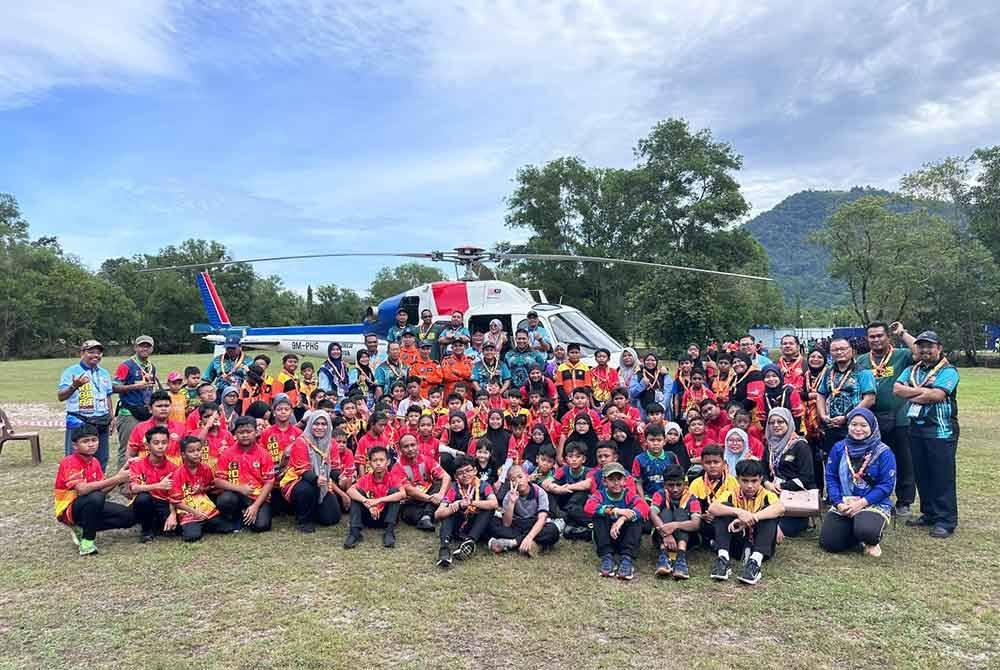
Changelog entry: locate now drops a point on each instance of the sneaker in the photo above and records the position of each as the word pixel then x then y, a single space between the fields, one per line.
pixel 146 537
pixel 87 547
pixel 77 534
pixel 720 570
pixel 663 566
pixel 902 510
pixel 306 528
pixel 444 557
pixel 940 532
pixel 921 520
pixel 608 566
pixel 465 550
pixel 582 533
pixel 751 573
pixel 389 538
pixel 626 570
pixel 874 550
pixel 560 524
pixel 499 545
pixel 681 567
pixel 425 523
pixel 353 537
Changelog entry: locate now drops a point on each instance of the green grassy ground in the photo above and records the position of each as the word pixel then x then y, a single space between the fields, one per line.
pixel 286 600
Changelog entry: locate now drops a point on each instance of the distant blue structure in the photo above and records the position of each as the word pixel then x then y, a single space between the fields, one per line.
pixel 992 335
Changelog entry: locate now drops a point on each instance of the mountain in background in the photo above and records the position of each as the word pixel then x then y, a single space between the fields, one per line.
pixel 798 264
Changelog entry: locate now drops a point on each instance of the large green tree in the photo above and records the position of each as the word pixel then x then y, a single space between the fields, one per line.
pixel 390 281
pixel 335 305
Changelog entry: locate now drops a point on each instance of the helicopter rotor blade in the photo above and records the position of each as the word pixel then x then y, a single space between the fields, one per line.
pixel 194 266
pixel 598 259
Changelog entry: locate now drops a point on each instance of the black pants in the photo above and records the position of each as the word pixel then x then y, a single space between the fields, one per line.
pixel 93 513
pixel 628 540
pixel 546 537
pixel 459 527
pixel 150 512
pixel 231 505
pixel 410 512
pixel 571 506
pixel 669 515
pixel 765 537
pixel 362 518
pixel 308 508
pixel 898 439
pixel 934 467
pixel 831 436
pixel 192 531
pixel 840 533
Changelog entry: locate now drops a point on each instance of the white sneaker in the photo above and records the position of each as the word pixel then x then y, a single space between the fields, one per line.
pixel 560 524
pixel 498 545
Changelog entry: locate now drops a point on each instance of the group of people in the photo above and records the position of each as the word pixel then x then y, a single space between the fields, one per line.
pixel 509 446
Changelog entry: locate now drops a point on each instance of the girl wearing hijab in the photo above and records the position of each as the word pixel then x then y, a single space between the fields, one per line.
pixel 675 444
pixel 812 429
pixel 737 447
pixel 496 336
pixel 362 378
pixel 748 385
pixel 583 431
pixel 501 444
pixel 455 439
pixel 558 358
pixel 628 365
pixel 789 463
pixel 333 375
pixel 624 439
pixel 306 482
pixel 649 385
pixel 860 478
pixel 538 438
pixel 777 393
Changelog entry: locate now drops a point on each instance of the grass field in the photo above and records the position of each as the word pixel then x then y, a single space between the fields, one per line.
pixel 286 600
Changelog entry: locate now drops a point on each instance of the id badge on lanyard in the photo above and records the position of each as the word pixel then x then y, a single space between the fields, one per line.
pixel 914 411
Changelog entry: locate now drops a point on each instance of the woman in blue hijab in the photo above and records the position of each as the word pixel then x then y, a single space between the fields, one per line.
pixel 860 478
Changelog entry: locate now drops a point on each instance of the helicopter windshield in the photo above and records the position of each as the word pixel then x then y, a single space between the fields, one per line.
pixel 576 327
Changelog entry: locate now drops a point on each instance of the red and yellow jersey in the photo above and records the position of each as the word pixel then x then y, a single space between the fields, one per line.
pixel 709 491
pixel 144 472
pixel 137 439
pixel 275 440
pixel 74 469
pixel 190 488
pixel 421 472
pixel 477 422
pixel 213 444
pixel 754 504
pixel 252 467
pixel 178 406
pixel 605 380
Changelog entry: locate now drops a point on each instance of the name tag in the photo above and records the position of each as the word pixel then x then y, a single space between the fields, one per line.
pixel 914 411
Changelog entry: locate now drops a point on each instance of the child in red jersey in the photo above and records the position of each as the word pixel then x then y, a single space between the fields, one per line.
pixel 245 474
pixel 619 398
pixel 697 438
pixel 375 500
pixel 519 436
pixel 80 490
pixel 277 438
pixel 191 483
pixel 428 443
pixel 375 437
pixel 212 433
pixel 159 407
pixel 411 424
pixel 150 484
pixel 424 482
pixel 715 419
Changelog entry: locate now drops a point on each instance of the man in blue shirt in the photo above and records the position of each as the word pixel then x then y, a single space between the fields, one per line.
pixel 489 367
pixel 520 359
pixel 748 345
pixel 86 389
pixel 134 382
pixel 396 330
pixel 538 337
pixel 454 332
pixel 229 368
pixel 929 388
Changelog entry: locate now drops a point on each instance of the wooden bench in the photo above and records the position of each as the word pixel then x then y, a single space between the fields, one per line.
pixel 8 434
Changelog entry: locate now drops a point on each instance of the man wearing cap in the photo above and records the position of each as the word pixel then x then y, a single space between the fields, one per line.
pixel 408 352
pixel 489 367
pixel 454 332
pixel 426 368
pixel 229 368
pixel 396 330
pixel 929 390
pixel 134 382
pixel 86 389
pixel 538 337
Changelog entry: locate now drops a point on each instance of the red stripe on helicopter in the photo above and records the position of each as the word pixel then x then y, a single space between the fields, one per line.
pixel 450 296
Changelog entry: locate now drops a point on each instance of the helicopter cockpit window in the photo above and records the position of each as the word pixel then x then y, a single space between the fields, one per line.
pixel 576 327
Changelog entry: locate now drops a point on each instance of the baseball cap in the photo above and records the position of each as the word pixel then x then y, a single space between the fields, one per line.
pixel 426 344
pixel 175 377
pixel 143 339
pixel 532 314
pixel 489 345
pixel 232 341
pixel 928 336
pixel 613 468
pixel 91 344
pixel 409 330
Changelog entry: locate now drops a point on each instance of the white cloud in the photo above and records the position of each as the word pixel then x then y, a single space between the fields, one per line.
pixel 973 107
pixel 46 43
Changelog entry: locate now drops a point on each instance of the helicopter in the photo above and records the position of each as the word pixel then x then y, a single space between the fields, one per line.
pixel 479 301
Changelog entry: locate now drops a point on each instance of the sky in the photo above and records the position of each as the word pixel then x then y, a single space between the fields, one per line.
pixel 305 126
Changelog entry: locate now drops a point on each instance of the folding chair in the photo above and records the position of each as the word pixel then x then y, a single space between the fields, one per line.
pixel 8 434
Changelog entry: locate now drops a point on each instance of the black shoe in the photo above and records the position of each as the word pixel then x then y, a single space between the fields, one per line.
pixel 444 557
pixel 352 540
pixel 940 532
pixel 425 523
pixel 720 570
pixel 146 537
pixel 306 528
pixel 921 520
pixel 389 538
pixel 465 550
pixel 751 573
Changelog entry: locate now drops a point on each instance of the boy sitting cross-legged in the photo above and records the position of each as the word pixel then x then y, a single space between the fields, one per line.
pixel 196 513
pixel 524 524
pixel 465 513
pixel 375 499
pixel 675 513
pixel 618 516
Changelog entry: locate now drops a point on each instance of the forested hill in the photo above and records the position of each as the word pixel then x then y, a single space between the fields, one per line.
pixel 796 262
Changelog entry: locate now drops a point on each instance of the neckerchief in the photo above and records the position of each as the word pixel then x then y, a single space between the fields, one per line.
pixel 878 369
pixel 929 378
pixel 785 369
pixel 835 389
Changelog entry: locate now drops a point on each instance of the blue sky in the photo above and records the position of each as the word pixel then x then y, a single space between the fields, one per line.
pixel 397 126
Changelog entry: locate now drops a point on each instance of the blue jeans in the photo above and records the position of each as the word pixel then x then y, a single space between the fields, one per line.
pixel 102 446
